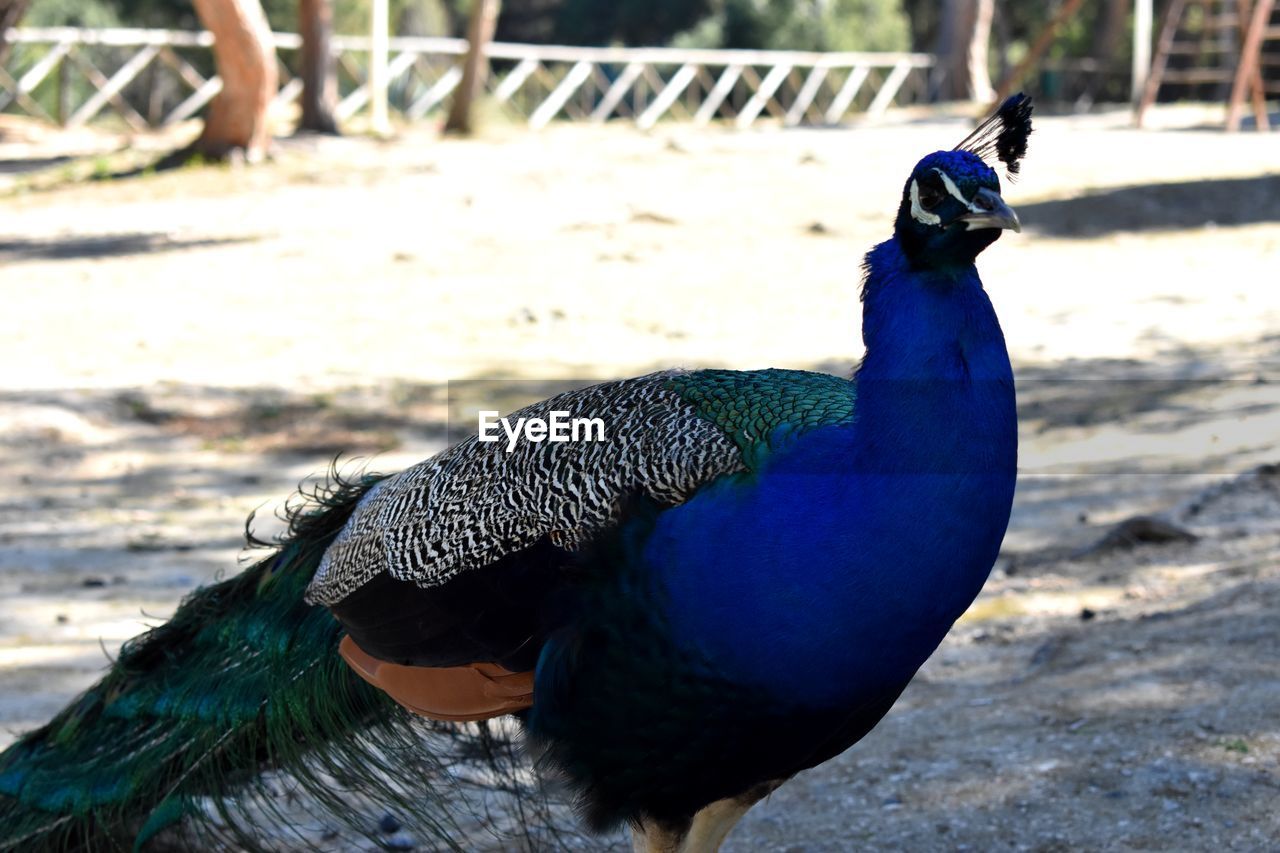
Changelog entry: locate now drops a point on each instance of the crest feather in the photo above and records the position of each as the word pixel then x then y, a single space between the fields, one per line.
pixel 1003 134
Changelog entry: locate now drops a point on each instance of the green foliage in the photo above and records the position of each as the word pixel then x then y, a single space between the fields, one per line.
pixel 844 25
pixel 782 24
pixel 1026 21
pixel 803 25
pixel 350 16
pixel 627 21
pixel 427 17
pixel 72 13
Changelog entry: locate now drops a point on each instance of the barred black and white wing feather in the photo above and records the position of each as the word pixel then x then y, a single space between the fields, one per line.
pixel 477 503
pixel 667 434
pixel 450 561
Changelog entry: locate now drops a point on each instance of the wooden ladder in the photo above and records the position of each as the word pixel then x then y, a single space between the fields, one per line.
pixel 1263 28
pixel 1213 42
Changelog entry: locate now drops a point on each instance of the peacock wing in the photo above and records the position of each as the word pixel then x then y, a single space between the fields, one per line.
pixel 666 435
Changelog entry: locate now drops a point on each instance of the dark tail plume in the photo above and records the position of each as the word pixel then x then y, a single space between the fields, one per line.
pixel 237 722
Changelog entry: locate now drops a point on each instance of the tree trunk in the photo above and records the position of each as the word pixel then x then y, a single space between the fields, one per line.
pixel 11 11
pixel 1109 34
pixel 964 38
pixel 319 72
pixel 246 61
pixel 979 49
pixel 1004 38
pixel 484 19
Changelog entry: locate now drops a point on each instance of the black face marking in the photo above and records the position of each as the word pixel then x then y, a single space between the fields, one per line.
pixel 941 191
pixel 931 191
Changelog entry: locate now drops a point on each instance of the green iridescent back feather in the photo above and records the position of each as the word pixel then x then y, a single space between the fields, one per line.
pixel 761 409
pixel 245 679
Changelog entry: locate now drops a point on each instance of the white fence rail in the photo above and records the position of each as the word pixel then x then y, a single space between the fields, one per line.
pixel 154 78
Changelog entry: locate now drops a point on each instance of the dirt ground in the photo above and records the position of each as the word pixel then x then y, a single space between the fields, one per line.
pixel 179 349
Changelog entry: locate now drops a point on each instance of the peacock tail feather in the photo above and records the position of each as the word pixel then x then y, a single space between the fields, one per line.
pixel 244 680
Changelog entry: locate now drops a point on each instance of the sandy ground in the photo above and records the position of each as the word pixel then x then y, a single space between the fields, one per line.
pixel 182 348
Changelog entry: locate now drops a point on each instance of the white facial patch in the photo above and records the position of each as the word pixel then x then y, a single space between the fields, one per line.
pixel 952 189
pixel 918 213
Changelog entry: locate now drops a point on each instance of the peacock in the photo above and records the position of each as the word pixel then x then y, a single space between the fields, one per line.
pixel 735 585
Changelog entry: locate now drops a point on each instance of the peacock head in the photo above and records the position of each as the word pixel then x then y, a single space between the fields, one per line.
pixel 951 206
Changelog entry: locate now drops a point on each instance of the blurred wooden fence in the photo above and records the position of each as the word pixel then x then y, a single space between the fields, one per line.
pixel 155 78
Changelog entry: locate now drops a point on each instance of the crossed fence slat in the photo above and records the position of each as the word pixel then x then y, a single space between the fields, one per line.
pixel 194 102
pixel 718 94
pixel 100 82
pixel 288 93
pixel 805 97
pixel 615 93
pixel 436 94
pixel 840 103
pixel 543 83
pixel 352 103
pixel 16 90
pixel 41 69
pixel 514 80
pixel 560 95
pixel 890 88
pixel 763 94
pixel 13 92
pixel 674 88
pixel 110 87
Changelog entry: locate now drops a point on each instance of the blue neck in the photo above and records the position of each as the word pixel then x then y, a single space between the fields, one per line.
pixel 841 566
pixel 935 388
pixel 916 323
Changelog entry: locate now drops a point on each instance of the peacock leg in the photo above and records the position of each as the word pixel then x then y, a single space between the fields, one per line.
pixel 706 832
pixel 652 837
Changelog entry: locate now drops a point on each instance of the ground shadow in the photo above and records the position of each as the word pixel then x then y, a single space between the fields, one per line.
pixel 105 246
pixel 21 165
pixel 1158 207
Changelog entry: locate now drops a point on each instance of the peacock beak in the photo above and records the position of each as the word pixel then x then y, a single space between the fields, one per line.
pixel 988 210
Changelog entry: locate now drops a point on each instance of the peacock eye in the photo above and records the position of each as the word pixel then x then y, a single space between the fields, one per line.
pixel 931 195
